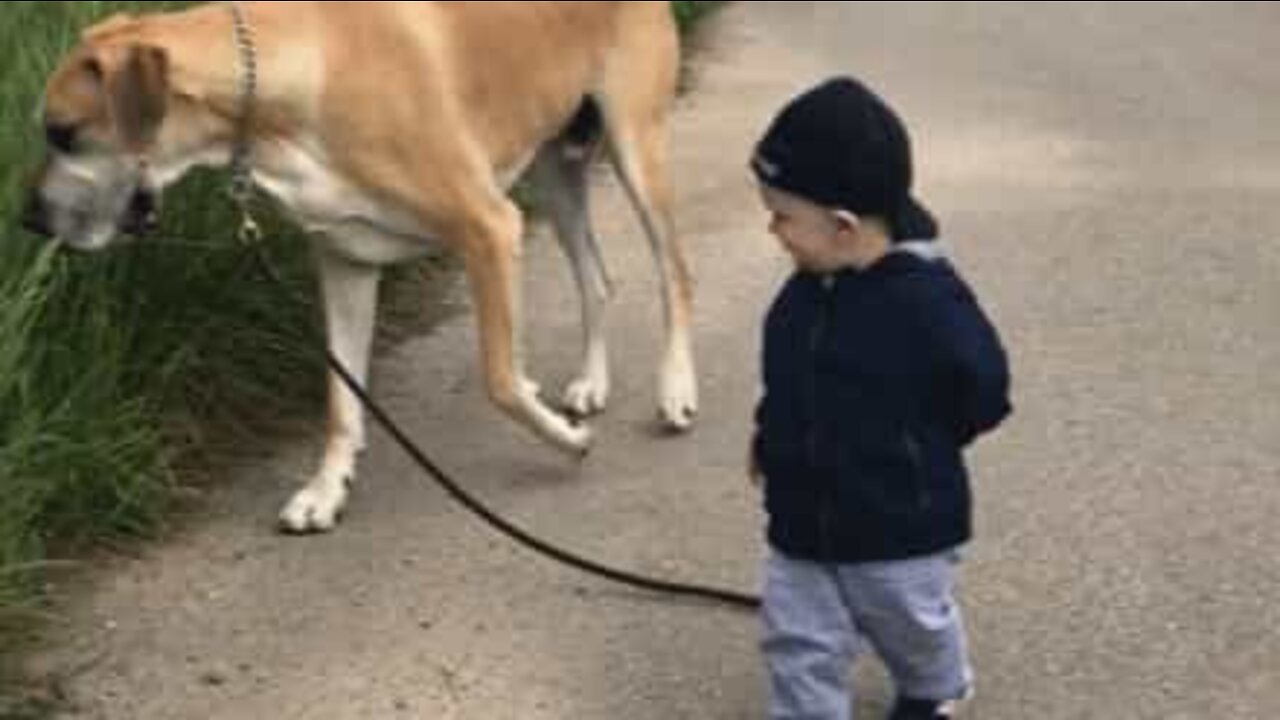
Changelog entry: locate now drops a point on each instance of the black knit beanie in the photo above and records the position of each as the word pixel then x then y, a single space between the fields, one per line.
pixel 840 145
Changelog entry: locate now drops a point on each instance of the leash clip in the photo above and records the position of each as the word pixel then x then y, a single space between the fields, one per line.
pixel 241 192
pixel 250 232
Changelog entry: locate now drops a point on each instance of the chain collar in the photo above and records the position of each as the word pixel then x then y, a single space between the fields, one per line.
pixel 241 149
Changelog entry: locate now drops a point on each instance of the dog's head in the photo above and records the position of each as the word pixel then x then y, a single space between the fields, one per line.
pixel 105 108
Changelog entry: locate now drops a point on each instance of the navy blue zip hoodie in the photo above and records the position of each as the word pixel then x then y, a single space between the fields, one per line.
pixel 874 383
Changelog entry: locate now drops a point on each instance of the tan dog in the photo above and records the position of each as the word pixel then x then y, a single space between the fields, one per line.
pixel 387 127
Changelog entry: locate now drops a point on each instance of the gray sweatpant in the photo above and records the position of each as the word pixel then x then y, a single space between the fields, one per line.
pixel 818 619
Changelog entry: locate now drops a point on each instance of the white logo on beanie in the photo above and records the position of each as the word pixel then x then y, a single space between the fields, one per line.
pixel 766 168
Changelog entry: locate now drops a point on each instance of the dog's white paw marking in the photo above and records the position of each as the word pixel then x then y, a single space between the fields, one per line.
pixel 678 405
pixel 315 509
pixel 564 433
pixel 586 397
pixel 574 437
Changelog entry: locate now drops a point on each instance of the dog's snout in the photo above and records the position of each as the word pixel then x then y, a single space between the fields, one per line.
pixel 35 219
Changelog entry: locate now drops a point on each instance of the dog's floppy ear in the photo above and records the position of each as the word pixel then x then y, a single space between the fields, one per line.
pixel 137 95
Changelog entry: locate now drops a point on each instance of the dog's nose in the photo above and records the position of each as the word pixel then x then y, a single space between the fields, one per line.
pixel 141 218
pixel 34 218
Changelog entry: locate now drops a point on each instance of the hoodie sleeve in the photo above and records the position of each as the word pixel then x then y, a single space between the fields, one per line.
pixel 975 367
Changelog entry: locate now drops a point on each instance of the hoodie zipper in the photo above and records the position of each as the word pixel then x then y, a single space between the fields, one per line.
pixel 816 336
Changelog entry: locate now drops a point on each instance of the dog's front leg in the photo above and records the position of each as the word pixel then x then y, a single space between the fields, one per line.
pixel 491 251
pixel 350 300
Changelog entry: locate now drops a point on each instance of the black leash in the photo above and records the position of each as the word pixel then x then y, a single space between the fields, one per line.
pixel 454 490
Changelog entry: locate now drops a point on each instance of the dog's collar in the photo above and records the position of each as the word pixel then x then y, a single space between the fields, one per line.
pixel 241 172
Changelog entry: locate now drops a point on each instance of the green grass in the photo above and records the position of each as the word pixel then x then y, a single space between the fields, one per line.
pixel 121 372
pixel 116 369
pixel 689 12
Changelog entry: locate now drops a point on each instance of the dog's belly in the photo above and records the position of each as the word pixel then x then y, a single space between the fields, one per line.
pixel 349 221
pixel 362 242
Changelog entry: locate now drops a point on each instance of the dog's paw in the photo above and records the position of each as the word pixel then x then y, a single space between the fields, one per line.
pixel 570 436
pixel 314 510
pixel 678 417
pixel 576 438
pixel 565 433
pixel 586 398
pixel 678 405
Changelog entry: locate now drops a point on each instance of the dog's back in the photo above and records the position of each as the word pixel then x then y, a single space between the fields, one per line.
pixel 509 74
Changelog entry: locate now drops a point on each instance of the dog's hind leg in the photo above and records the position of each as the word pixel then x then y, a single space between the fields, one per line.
pixel 350 298
pixel 560 179
pixel 637 144
pixel 490 234
pixel 636 93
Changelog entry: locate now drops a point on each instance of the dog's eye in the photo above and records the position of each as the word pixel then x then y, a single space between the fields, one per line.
pixel 61 137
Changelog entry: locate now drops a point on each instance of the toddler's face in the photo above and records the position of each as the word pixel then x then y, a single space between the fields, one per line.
pixel 811 233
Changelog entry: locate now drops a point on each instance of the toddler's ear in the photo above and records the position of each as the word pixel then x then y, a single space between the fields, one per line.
pixel 847 221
